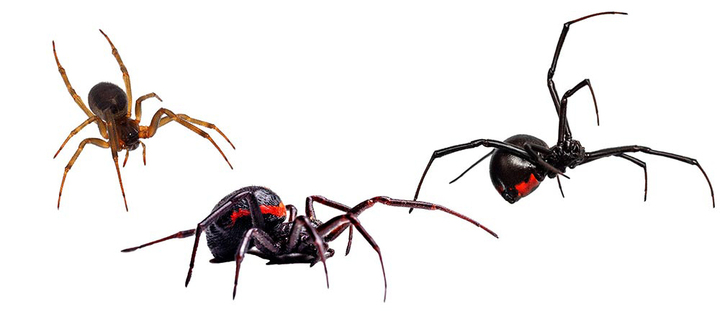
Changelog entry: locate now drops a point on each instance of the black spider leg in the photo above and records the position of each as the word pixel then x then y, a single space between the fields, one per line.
pixel 181 234
pixel 472 166
pixel 618 151
pixel 334 227
pixel 506 147
pixel 639 163
pixel 310 212
pixel 255 216
pixel 261 239
pixel 264 243
pixel 564 128
pixel 551 72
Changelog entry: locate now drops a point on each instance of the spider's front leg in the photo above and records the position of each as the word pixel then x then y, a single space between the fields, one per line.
pixel 123 69
pixel 565 128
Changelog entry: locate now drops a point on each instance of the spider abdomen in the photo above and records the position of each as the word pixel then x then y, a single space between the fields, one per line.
pixel 106 95
pixel 512 176
pixel 224 235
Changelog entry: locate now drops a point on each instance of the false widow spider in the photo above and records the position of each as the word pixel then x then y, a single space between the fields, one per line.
pixel 521 162
pixel 110 108
pixel 251 220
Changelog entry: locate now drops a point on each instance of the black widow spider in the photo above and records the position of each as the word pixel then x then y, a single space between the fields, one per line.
pixel 521 162
pixel 251 220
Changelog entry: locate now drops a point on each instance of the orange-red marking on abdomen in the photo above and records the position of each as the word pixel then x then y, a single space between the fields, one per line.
pixel 273 210
pixel 528 186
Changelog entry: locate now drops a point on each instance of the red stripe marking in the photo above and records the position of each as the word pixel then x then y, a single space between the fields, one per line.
pixel 273 210
pixel 528 186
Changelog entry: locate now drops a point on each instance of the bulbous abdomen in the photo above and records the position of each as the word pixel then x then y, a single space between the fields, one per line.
pixel 104 96
pixel 225 235
pixel 512 176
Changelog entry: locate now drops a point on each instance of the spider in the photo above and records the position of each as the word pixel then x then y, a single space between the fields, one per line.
pixel 251 220
pixel 110 109
pixel 521 162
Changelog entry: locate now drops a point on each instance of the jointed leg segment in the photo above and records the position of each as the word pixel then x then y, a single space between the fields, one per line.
pixel 94 141
pixel 149 131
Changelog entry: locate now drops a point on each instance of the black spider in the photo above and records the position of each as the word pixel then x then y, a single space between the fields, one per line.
pixel 521 162
pixel 252 220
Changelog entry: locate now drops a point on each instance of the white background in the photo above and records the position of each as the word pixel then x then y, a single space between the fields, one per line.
pixel 348 100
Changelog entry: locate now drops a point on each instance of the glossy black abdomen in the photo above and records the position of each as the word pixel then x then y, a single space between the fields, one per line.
pixel 512 176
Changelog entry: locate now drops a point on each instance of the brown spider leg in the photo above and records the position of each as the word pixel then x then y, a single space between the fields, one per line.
pixel 149 131
pixel 138 110
pixel 94 141
pixel 93 118
pixel 304 222
pixel 181 234
pixel 123 69
pixel 551 72
pixel 127 153
pixel 165 120
pixel 114 147
pixel 617 151
pixel 70 89
pixel 310 212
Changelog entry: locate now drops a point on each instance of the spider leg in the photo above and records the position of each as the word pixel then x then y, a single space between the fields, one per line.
pixel 255 215
pixel 413 204
pixel 181 234
pixel 208 125
pixel 80 148
pixel 341 222
pixel 617 151
pixel 304 222
pixel 564 129
pixel 114 147
pixel 127 153
pixel 310 212
pixel 497 145
pixel 472 166
pixel 123 69
pixel 149 131
pixel 560 187
pixel 551 72
pixel 332 228
pixel 70 89
pixel 639 163
pixel 138 109
pixel 261 239
pixel 91 119
pixel 292 212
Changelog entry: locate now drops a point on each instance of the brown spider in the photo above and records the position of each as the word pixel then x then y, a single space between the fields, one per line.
pixel 110 108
